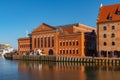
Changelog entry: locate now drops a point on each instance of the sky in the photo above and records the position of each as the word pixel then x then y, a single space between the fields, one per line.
pixel 20 16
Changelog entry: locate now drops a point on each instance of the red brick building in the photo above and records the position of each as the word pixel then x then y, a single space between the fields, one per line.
pixel 24 45
pixel 69 40
pixel 108 30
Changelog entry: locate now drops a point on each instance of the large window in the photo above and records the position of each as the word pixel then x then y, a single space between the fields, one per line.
pixel 104 28
pixel 35 42
pixel 45 42
pixel 41 42
pixel 48 41
pixel 52 41
pixel 38 42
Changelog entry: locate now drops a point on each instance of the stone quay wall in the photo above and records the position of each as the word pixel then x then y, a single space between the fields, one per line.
pixel 48 58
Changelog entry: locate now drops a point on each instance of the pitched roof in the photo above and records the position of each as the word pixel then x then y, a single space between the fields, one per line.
pixel 68 28
pixel 72 28
pixel 43 27
pixel 109 13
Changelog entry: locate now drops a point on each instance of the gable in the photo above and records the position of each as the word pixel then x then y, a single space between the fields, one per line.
pixel 109 13
pixel 43 27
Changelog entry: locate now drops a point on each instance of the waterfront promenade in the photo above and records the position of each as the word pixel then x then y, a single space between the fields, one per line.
pixel 48 58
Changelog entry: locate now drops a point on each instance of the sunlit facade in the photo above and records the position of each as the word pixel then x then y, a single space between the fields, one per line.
pixel 68 40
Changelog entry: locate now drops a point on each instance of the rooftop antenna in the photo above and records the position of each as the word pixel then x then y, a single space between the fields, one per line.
pixel 101 5
pixel 26 33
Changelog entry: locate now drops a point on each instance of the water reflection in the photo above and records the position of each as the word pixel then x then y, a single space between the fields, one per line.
pixel 67 71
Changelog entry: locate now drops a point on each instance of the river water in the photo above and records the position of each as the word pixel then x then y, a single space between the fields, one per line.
pixel 35 70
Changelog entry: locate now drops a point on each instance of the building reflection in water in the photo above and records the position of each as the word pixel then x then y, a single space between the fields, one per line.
pixel 66 71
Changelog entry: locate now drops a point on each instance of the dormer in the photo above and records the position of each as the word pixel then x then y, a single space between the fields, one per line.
pixel 118 11
pixel 109 17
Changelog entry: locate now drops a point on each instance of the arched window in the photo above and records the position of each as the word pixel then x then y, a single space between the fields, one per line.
pixel 113 35
pixel 113 27
pixel 105 43
pixel 105 36
pixel 104 28
pixel 113 43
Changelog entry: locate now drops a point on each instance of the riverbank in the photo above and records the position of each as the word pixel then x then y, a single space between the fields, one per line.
pixel 48 58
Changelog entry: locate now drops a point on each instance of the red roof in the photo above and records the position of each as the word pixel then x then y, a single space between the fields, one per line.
pixel 109 13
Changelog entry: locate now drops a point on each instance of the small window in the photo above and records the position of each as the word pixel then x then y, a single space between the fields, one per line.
pixel 113 35
pixel 105 36
pixel 109 18
pixel 118 12
pixel 113 43
pixel 104 28
pixel 113 27
pixel 105 43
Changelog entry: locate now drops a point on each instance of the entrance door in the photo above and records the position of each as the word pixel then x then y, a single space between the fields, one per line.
pixel 50 52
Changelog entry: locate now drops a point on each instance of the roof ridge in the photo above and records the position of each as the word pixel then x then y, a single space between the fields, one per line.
pixel 111 5
pixel 68 25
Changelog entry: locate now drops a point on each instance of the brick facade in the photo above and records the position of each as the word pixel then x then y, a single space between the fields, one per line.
pixel 108 30
pixel 23 45
pixel 68 40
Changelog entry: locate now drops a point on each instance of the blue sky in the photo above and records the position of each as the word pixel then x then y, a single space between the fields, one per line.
pixel 17 16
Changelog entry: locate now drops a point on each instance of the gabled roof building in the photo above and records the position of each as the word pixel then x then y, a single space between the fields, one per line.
pixel 67 40
pixel 108 30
